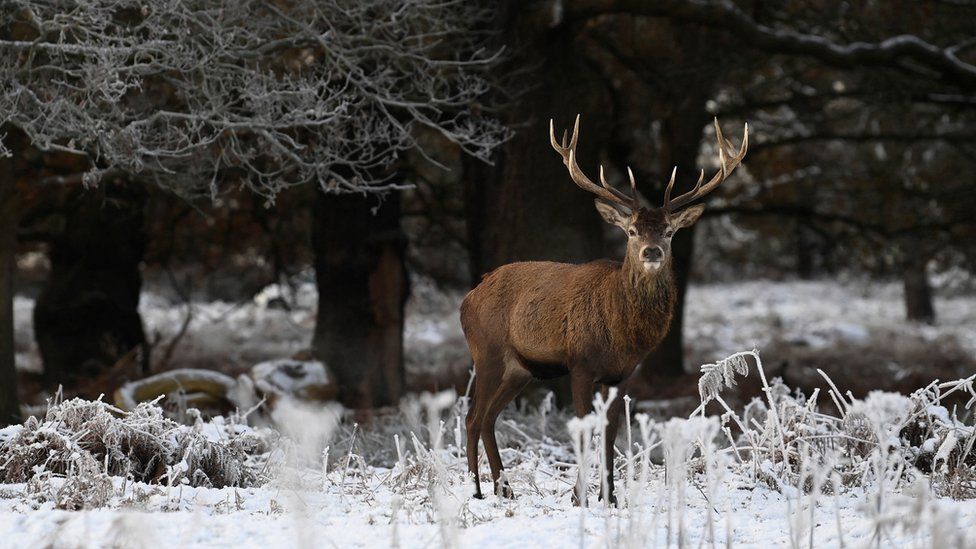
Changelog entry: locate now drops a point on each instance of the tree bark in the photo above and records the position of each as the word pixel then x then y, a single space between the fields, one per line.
pixel 805 250
pixel 918 293
pixel 526 207
pixel 87 316
pixel 362 281
pixel 9 403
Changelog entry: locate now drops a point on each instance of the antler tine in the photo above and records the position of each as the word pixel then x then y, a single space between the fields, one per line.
pixel 701 179
pixel 633 187
pixel 572 140
pixel 603 180
pixel 729 160
pixel 568 154
pixel 667 192
pixel 721 147
pixel 552 137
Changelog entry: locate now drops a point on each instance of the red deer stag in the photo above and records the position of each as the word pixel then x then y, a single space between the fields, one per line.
pixel 596 321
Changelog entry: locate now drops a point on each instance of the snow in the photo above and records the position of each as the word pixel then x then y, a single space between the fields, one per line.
pixel 286 518
pixel 366 515
pixel 289 377
pixel 721 318
pixel 349 485
pixel 727 317
pixel 421 497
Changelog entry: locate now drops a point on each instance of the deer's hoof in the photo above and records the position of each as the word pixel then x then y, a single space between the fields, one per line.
pixel 478 495
pixel 577 502
pixel 504 491
pixel 611 499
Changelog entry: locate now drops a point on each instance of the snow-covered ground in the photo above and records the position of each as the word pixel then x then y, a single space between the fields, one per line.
pixel 724 318
pixel 371 515
pixel 417 495
pixel 377 485
pixel 720 319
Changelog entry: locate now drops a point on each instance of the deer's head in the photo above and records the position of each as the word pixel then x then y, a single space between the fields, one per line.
pixel 649 229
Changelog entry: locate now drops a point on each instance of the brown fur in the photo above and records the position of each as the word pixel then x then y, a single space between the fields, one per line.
pixel 595 322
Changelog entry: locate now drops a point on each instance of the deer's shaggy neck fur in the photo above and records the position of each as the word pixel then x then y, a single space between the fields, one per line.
pixel 648 297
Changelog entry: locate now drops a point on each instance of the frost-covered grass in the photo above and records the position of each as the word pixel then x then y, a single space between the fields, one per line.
pixel 886 470
pixel 826 469
pixel 69 457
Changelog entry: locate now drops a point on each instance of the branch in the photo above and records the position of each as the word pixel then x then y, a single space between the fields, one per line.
pixel 725 15
pixel 811 100
pixel 875 230
pixel 800 212
pixel 861 138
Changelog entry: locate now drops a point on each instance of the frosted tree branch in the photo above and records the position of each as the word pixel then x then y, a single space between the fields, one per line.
pixel 196 94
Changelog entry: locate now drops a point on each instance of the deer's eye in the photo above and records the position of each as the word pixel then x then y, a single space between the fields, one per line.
pixel 632 232
pixel 668 233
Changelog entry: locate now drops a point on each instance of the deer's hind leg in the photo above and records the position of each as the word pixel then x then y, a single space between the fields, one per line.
pixel 487 375
pixel 514 378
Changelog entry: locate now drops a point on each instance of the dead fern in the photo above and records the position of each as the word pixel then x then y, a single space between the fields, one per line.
pixel 721 375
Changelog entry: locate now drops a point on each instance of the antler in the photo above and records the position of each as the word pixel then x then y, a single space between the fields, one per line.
pixel 606 192
pixel 728 159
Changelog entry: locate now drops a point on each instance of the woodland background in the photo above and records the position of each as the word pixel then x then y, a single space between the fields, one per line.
pixel 384 150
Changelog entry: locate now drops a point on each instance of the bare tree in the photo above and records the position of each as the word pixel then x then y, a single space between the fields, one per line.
pixel 197 95
pixel 284 92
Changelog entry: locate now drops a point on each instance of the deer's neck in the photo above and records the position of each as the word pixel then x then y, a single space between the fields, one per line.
pixel 648 299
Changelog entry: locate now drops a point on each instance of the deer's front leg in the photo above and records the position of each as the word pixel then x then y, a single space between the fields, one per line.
pixel 614 412
pixel 581 384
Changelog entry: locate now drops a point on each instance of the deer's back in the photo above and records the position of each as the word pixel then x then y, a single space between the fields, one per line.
pixel 536 308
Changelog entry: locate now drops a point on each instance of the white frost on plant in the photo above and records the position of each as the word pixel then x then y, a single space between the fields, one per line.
pixel 721 374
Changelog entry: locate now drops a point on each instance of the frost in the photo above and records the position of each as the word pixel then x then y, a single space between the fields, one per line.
pixel 947 446
pixel 80 444
pixel 354 96
pixel 721 375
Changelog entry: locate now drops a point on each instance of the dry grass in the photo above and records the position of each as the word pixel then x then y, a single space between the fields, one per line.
pixel 69 456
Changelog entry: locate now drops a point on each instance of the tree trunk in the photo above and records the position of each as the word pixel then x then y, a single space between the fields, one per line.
pixel 526 207
pixel 363 287
pixel 805 250
pixel 87 316
pixel 9 403
pixel 918 293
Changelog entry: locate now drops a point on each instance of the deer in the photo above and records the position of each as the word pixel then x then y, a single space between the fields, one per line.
pixel 594 322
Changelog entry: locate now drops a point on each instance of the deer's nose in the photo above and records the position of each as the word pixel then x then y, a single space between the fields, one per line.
pixel 652 253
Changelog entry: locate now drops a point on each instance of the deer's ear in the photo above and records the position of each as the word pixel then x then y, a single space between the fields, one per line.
pixel 610 214
pixel 687 217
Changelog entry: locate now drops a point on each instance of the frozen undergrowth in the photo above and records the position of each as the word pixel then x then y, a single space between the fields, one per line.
pixel 888 469
pixel 72 457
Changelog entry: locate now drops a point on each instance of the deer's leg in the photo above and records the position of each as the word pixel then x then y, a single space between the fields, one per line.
pixel 489 368
pixel 581 384
pixel 613 425
pixel 473 426
pixel 513 381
